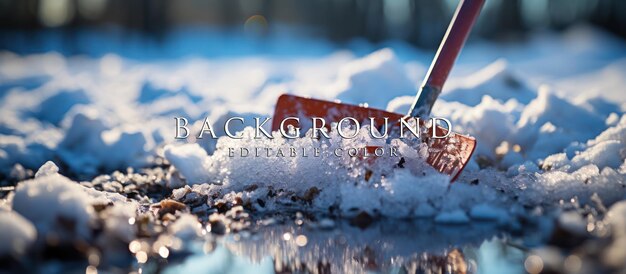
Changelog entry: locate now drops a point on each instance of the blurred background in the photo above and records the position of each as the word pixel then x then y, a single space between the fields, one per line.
pixel 80 26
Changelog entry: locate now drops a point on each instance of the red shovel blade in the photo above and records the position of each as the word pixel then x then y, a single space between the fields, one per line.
pixel 448 155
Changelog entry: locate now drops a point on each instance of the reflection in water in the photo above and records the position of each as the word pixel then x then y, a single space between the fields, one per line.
pixel 387 246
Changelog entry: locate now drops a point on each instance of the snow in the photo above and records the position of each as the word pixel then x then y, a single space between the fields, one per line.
pixel 90 143
pixel 374 79
pixel 578 124
pixel 49 168
pixel 62 209
pixel 546 131
pixel 191 160
pixel 495 80
pixel 186 227
pixel 18 234
pixel 54 108
pixel 50 200
pixel 615 255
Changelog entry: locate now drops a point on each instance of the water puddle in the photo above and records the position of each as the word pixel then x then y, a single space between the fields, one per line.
pixel 386 246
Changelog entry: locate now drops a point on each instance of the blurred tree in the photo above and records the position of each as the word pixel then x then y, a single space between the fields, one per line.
pixel 420 22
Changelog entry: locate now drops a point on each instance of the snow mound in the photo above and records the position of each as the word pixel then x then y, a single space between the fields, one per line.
pixel 495 80
pixel 544 116
pixel 413 191
pixel 18 234
pixel 375 80
pixel 54 108
pixel 55 204
pixel 606 150
pixel 61 209
pixel 490 122
pixel 90 143
pixel 346 183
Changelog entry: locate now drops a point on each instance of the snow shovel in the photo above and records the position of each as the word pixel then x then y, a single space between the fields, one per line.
pixel 448 155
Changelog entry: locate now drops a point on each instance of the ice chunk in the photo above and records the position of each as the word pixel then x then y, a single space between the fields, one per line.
pixel 191 160
pixel 61 208
pixel 49 168
pixel 556 161
pixel 402 196
pixel 612 119
pixel 123 147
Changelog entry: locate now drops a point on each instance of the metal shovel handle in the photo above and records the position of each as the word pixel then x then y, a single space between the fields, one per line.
pixel 449 49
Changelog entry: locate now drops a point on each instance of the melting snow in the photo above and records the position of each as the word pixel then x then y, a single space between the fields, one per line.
pixel 543 136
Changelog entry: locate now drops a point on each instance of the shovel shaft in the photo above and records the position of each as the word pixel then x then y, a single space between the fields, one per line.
pixel 449 49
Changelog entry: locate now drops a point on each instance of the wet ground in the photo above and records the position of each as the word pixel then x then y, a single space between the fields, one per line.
pixel 227 235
